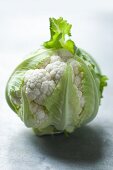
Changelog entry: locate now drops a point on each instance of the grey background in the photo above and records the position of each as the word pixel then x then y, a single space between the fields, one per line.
pixel 23 27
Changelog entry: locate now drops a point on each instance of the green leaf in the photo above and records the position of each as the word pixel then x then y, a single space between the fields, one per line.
pixel 88 59
pixel 90 93
pixel 46 131
pixel 59 29
pixel 103 82
pixel 69 45
pixel 63 105
pixel 26 114
pixel 15 81
pixel 30 119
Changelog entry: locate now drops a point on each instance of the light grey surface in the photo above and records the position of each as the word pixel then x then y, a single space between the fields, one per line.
pixel 23 27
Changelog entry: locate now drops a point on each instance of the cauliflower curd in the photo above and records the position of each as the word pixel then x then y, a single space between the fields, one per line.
pixel 40 83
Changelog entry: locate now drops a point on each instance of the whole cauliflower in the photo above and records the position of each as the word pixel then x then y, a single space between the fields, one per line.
pixel 58 88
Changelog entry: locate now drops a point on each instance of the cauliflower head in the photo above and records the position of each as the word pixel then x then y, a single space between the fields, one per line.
pixel 57 88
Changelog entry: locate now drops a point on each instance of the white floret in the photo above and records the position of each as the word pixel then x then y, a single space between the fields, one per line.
pixel 55 58
pixel 82 101
pixel 77 79
pixel 56 69
pixel 39 112
pixel 40 83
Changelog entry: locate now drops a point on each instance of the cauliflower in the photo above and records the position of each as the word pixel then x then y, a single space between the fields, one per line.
pixel 57 88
